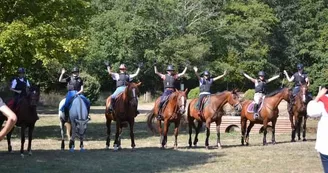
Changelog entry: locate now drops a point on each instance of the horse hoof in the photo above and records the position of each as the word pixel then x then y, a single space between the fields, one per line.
pixel 133 149
pixel 22 156
pixel 273 143
pixel 30 153
pixel 207 147
pixel 71 150
pixel 293 140
pixel 265 144
pixel 304 139
pixel 82 150
pixel 247 144
pixel 107 147
pixel 175 147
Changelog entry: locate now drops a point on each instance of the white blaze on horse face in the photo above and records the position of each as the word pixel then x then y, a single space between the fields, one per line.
pixel 134 92
pixel 182 102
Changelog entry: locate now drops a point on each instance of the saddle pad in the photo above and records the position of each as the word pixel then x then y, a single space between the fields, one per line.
pixel 250 108
pixel 204 102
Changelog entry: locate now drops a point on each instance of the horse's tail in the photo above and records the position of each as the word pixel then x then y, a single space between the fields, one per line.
pixel 150 118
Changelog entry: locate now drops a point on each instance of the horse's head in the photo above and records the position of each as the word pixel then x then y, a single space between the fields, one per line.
pixel 81 127
pixel 286 94
pixel 182 100
pixel 133 93
pixel 303 92
pixel 233 100
pixel 34 95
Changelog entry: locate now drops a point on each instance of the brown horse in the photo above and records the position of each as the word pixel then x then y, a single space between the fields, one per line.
pixel 297 114
pixel 269 112
pixel 173 112
pixel 26 118
pixel 212 112
pixel 125 110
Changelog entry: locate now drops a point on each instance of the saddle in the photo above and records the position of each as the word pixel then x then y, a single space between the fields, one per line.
pixel 11 105
pixel 164 104
pixel 203 103
pixel 250 107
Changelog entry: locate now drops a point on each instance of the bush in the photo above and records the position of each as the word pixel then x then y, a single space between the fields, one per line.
pixel 249 94
pixel 193 93
pixel 91 87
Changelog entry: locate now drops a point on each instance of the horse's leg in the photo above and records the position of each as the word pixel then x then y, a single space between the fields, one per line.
pixel 165 131
pixel 160 131
pixel 131 123
pixel 23 127
pixel 218 122
pixel 68 133
pixel 117 133
pixel 243 130
pixel 81 144
pixel 304 128
pixel 108 125
pixel 299 126
pixel 199 126
pixel 208 123
pixel 30 138
pixel 176 132
pixel 292 124
pixel 191 124
pixel 249 128
pixel 274 121
pixel 265 126
pixel 10 148
pixel 61 125
pixel 72 140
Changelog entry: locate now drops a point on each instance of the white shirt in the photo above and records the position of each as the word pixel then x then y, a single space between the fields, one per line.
pixel 317 109
pixel 14 83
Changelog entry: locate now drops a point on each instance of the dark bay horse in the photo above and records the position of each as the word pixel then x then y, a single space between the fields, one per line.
pixel 125 110
pixel 212 112
pixel 269 112
pixel 297 114
pixel 26 118
pixel 173 112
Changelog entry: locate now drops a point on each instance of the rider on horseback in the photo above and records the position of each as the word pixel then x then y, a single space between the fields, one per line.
pixel 122 79
pixel 169 80
pixel 19 86
pixel 299 78
pixel 75 87
pixel 260 89
pixel 205 85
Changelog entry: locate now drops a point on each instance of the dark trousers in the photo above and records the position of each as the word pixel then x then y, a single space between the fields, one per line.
pixel 165 95
pixel 324 160
pixel 199 102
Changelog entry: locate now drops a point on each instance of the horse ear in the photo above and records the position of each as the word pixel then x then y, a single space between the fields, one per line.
pixel 139 83
pixel 186 90
pixel 176 90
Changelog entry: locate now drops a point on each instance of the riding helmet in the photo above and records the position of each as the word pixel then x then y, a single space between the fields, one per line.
pixel 122 67
pixel 21 70
pixel 261 73
pixel 75 69
pixel 170 68
pixel 299 66
pixel 206 73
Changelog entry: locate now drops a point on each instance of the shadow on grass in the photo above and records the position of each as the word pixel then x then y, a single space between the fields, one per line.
pixel 142 160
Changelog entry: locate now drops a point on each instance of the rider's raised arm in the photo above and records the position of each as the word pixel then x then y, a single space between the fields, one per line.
pixel 219 77
pixel 290 79
pixel 135 74
pixel 11 119
pixel 109 70
pixel 307 80
pixel 273 78
pixel 196 73
pixel 158 73
pixel 183 72
pixel 61 76
pixel 250 78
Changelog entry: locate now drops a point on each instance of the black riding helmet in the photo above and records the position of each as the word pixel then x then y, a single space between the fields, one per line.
pixel 170 68
pixel 21 70
pixel 261 73
pixel 300 66
pixel 207 73
pixel 75 69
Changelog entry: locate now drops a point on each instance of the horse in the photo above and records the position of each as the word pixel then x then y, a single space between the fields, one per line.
pixel 212 112
pixel 26 118
pixel 297 114
pixel 76 125
pixel 172 112
pixel 125 110
pixel 268 112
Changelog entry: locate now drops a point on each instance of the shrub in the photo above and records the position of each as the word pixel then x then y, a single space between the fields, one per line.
pixel 193 93
pixel 91 87
pixel 249 94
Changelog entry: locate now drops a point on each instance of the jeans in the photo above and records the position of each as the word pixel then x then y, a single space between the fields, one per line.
pixel 70 95
pixel 118 91
pixel 324 160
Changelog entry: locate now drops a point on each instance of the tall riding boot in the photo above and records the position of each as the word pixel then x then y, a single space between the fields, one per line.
pixel 159 116
pixel 256 108
pixel 111 106
pixel 66 113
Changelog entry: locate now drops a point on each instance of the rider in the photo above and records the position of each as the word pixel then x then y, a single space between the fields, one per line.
pixel 19 86
pixel 122 79
pixel 299 78
pixel 205 85
pixel 75 87
pixel 168 80
pixel 260 89
pixel 11 119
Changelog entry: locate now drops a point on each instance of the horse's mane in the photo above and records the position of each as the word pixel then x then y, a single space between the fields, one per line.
pixel 273 93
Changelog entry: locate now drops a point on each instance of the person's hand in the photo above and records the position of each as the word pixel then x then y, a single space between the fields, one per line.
pixel 63 71
pixel 19 91
pixel 225 72
pixel 241 72
pixel 322 92
pixel 106 63
pixel 140 65
pixel 281 75
pixel 195 69
pixel 285 72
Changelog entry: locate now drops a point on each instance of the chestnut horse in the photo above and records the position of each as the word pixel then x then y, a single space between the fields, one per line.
pixel 26 118
pixel 297 114
pixel 212 112
pixel 172 112
pixel 125 110
pixel 269 112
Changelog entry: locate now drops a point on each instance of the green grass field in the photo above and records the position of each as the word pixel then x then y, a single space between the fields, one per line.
pixel 47 156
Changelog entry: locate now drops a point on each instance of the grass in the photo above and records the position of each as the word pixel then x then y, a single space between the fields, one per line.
pixel 47 156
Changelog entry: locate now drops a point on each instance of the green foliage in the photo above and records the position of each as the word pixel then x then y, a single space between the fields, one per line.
pixel 91 87
pixel 249 94
pixel 193 93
